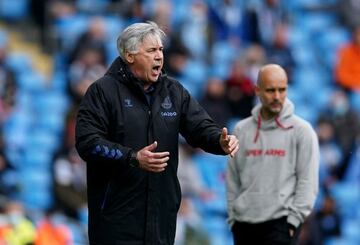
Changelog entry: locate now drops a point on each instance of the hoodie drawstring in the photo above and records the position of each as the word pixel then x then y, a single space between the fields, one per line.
pixel 277 123
pixel 282 126
pixel 258 128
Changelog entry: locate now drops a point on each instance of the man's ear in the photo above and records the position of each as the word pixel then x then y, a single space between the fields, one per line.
pixel 129 57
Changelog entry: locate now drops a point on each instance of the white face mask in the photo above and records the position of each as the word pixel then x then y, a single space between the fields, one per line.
pixel 341 106
pixel 3 220
pixel 15 218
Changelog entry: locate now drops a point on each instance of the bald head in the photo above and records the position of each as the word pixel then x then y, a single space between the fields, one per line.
pixel 272 72
pixel 271 89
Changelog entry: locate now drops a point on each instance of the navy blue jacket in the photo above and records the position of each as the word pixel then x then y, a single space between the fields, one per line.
pixel 128 205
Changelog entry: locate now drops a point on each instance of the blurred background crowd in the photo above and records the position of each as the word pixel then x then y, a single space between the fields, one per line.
pixel 51 51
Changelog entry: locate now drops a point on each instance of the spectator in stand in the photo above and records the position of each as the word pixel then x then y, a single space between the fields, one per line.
pixel 94 38
pixel 240 90
pixel 230 21
pixel 8 83
pixel 346 125
pixel 349 12
pixel 255 57
pixel 322 225
pixel 278 52
pixel 70 183
pixel 269 14
pixel 9 182
pixel 193 190
pixel 330 151
pixel 87 68
pixel 328 219
pixel 131 10
pixel 20 229
pixel 215 101
pixel 176 54
pixel 50 231
pixel 310 232
pixel 347 69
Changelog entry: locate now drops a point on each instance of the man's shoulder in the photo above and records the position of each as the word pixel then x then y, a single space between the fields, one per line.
pixel 244 123
pixel 171 81
pixel 106 80
pixel 301 125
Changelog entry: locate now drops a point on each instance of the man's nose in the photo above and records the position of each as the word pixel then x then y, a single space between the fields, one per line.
pixel 158 55
pixel 276 95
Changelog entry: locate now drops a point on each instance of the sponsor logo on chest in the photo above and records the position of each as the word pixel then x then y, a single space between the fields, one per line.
pixel 265 152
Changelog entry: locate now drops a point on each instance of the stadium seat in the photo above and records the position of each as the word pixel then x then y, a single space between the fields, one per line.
pixel 347 196
pixel 14 10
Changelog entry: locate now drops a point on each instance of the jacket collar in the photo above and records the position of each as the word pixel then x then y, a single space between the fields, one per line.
pixel 121 72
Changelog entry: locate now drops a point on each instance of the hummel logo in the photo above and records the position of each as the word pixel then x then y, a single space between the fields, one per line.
pixel 128 103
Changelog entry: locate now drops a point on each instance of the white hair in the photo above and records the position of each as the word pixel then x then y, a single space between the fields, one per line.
pixel 133 35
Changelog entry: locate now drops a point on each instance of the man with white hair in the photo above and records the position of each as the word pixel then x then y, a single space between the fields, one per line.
pixel 127 131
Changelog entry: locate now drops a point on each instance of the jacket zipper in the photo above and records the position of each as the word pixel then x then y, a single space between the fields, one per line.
pixel 105 197
pixel 149 127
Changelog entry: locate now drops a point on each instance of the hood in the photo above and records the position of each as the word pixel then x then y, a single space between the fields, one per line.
pixel 279 122
pixel 121 72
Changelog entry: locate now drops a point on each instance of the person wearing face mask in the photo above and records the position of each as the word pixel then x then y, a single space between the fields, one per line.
pixel 20 229
pixel 127 131
pixel 272 181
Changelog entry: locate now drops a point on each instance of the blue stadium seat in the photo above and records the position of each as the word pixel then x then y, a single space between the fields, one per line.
pixel 92 6
pixel 347 196
pixel 31 81
pixel 218 230
pixel 37 158
pixel 36 188
pixel 212 169
pixel 20 62
pixel 350 231
pixel 14 10
pixel 339 241
pixel 355 101
pixel 194 77
pixel 69 29
pixel 303 56
pixel 329 42
pixel 352 174
pixel 42 139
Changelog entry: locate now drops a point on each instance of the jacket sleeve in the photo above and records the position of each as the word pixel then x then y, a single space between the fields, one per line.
pixel 92 129
pixel 197 127
pixel 307 172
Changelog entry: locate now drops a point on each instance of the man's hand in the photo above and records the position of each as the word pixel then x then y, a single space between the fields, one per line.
pixel 229 143
pixel 152 161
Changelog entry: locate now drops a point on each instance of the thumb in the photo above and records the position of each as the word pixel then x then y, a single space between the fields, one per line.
pixel 224 133
pixel 152 146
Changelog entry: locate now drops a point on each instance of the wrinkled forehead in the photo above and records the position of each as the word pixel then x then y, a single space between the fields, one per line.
pixel 151 40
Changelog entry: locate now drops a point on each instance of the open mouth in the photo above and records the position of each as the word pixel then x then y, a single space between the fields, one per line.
pixel 156 68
